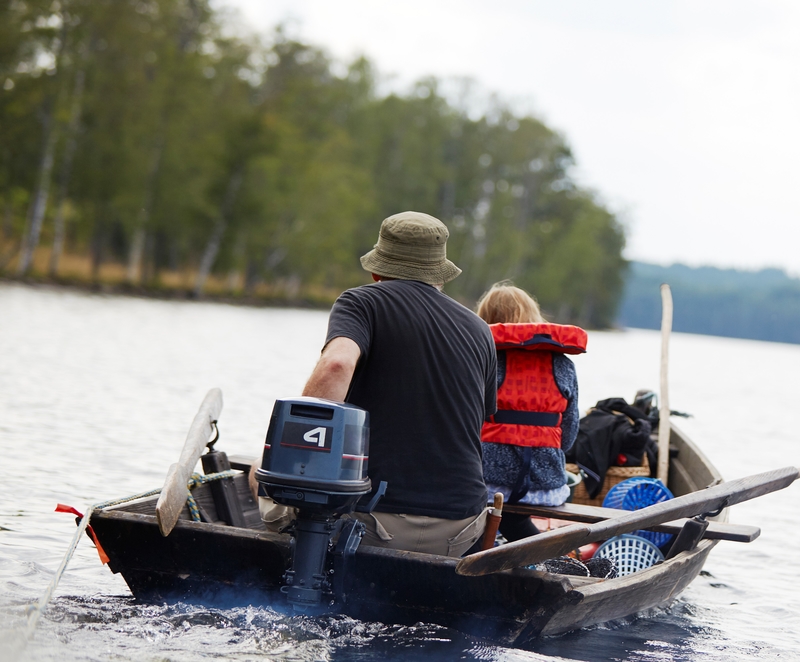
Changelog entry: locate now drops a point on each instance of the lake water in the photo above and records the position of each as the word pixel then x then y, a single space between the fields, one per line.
pixel 97 394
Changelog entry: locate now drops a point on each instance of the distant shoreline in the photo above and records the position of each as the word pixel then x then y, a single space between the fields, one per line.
pixel 166 294
pixel 727 303
pixel 76 271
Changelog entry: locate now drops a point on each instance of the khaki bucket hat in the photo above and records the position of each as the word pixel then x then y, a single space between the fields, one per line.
pixel 412 246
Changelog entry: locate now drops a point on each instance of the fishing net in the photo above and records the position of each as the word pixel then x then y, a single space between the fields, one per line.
pixel 602 568
pixel 564 565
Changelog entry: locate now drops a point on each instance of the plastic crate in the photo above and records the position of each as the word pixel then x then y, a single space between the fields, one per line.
pixel 640 492
pixel 630 553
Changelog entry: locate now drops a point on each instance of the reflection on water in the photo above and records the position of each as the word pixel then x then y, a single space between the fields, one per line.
pixel 96 396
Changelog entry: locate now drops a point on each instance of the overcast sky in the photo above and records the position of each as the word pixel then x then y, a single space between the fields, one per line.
pixel 684 115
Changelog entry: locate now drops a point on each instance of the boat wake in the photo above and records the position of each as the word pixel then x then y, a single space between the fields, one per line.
pixel 103 627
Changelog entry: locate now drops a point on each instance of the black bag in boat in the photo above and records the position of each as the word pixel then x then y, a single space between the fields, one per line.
pixel 613 433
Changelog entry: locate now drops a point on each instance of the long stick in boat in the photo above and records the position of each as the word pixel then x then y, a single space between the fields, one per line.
pixel 558 542
pixel 663 416
pixel 173 495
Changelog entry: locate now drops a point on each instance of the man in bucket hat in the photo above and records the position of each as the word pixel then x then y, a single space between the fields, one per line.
pixel 424 367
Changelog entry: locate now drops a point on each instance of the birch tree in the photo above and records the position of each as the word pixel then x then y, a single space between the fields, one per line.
pixel 59 221
pixel 38 205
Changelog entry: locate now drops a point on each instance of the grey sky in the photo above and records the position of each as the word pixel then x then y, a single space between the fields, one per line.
pixel 683 114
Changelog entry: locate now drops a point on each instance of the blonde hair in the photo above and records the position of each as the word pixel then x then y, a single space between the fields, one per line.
pixel 505 303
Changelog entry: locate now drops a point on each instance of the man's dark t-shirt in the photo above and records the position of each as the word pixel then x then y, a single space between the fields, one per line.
pixel 427 377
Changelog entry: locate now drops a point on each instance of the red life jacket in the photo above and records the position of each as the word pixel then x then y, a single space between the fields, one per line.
pixel 529 402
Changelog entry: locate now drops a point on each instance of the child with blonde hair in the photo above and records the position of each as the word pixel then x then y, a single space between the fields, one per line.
pixel 537 404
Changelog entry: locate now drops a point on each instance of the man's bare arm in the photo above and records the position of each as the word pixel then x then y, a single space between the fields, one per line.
pixel 332 374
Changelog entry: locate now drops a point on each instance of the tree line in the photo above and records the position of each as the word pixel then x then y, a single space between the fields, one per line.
pixel 757 305
pixel 146 134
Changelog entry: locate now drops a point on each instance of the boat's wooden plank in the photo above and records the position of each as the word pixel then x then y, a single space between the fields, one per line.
pixel 575 512
pixel 141 507
pixel 696 470
pixel 681 481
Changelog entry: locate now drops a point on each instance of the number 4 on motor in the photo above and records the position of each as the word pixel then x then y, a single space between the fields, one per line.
pixel 316 436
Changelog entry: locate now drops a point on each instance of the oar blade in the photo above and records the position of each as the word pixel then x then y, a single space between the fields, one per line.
pixel 173 494
pixel 560 541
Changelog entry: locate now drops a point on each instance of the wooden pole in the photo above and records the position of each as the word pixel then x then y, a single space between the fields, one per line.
pixel 173 495
pixel 663 413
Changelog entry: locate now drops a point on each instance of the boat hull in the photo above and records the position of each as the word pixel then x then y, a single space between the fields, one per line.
pixel 217 563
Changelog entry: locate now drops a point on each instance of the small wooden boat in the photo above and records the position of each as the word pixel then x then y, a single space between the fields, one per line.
pixel 164 549
pixel 210 559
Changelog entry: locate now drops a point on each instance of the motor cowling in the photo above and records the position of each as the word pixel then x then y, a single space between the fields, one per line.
pixel 315 459
pixel 316 455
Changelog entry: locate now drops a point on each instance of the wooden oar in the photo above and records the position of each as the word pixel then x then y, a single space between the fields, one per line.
pixel 173 495
pixel 558 542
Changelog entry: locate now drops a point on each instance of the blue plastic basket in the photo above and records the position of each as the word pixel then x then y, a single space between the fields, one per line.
pixel 629 553
pixel 640 492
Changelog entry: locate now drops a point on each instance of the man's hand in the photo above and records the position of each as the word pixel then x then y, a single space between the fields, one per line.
pixel 332 374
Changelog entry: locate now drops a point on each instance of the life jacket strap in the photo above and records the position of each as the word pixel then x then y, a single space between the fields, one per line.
pixel 522 484
pixel 512 417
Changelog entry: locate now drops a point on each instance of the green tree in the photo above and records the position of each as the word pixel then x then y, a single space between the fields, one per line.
pixel 173 145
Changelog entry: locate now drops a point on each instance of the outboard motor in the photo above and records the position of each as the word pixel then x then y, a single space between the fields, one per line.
pixel 315 459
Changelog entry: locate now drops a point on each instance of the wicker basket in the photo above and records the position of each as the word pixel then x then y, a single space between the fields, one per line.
pixel 614 475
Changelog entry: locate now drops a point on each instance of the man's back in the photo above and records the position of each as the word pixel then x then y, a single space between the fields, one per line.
pixel 427 377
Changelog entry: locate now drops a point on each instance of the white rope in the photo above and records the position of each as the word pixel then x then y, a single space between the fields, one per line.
pixel 35 611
